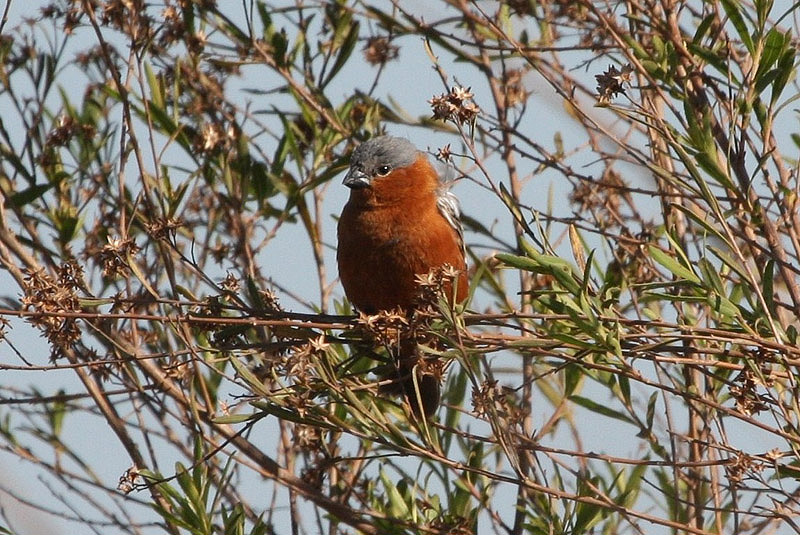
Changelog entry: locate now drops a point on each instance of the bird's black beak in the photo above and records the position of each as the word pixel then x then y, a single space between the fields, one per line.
pixel 356 179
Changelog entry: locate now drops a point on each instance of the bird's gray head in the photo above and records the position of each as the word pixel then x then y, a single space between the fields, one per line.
pixel 378 157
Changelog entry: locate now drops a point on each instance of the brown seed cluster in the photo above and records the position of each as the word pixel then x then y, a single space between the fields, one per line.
pixel 457 106
pixel 631 259
pixel 612 83
pixel 454 525
pixel 230 284
pixel 601 197
pixel 521 8
pixel 54 298
pixel 434 285
pixel 128 482
pixel 745 392
pixel 742 466
pixel 299 367
pixel 380 50
pixel 492 398
pixel 67 128
pixel 444 154
pixel 163 228
pixel 114 256
pixel 269 300
pixel 514 90
pixel 213 136
pixel 385 326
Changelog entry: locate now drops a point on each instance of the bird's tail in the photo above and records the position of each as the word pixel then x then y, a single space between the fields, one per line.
pixel 419 378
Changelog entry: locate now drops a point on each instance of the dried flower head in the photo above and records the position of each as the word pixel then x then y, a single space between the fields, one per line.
pixel 269 301
pixel 307 438
pixel 115 254
pixel 212 136
pixel 230 284
pixel 127 481
pixel 434 285
pixel 314 473
pixel 742 465
pixel 521 7
pixel 744 391
pixel 220 251
pixel 491 398
pixel 163 228
pixel 54 299
pixel 444 154
pixel 130 17
pixel 774 454
pixel 513 88
pixel 173 28
pixel 299 367
pixel 68 127
pixel 386 326
pixel 197 41
pixel 180 371
pixel 380 50
pixel 611 83
pixel 457 106
pixel 602 198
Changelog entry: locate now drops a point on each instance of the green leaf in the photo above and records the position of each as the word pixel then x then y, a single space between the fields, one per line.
pixel 786 68
pixel 734 13
pixel 28 195
pixel 774 47
pixel 651 411
pixel 280 45
pixel 625 388
pixel 56 413
pixel 791 470
pixel 791 334
pixel 630 491
pixel 710 274
pixel 600 408
pixel 234 418
pixel 344 53
pixel 9 156
pixel 703 220
pixel 729 261
pixel 519 262
pixel 253 382
pixel 763 8
pixel 722 304
pixel 266 19
pixel 156 86
pixel 713 58
pixel 397 505
pixel 672 265
pixel 703 28
pixel 573 373
pixel 768 285
pixel 587 515
pixel 67 226
pixel 709 162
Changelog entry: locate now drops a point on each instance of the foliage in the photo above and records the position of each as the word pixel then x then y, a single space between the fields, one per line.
pixel 626 361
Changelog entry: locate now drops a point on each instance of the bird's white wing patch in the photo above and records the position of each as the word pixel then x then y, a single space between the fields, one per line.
pixel 448 206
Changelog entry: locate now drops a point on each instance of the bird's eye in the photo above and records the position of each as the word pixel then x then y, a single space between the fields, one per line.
pixel 384 170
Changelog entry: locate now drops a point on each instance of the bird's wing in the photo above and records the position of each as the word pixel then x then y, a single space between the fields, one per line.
pixel 448 206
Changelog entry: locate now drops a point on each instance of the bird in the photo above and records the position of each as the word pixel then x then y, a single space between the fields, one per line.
pixel 400 222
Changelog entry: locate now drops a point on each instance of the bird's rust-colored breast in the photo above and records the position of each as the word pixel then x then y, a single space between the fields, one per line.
pixel 391 232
